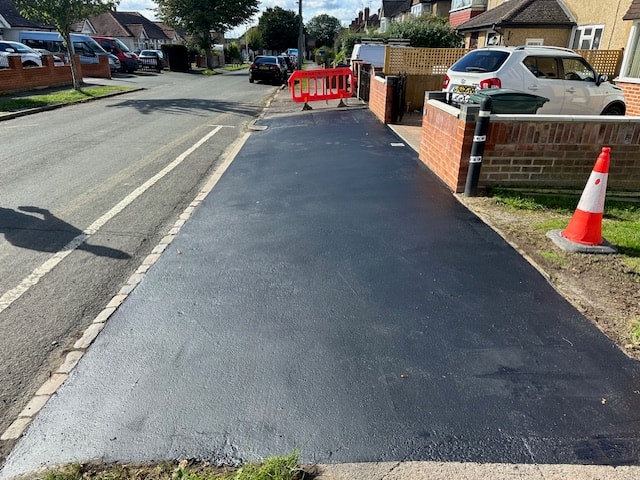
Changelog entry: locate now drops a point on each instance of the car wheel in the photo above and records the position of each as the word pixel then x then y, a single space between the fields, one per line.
pixel 29 64
pixel 250 79
pixel 614 110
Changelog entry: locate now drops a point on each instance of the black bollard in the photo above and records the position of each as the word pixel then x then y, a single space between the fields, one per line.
pixel 477 148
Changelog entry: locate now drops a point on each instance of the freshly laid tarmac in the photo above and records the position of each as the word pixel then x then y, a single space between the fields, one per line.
pixel 330 294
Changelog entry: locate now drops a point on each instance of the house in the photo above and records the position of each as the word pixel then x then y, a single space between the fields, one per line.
pixel 365 22
pixel 464 10
pixel 400 10
pixel 439 8
pixel 393 11
pixel 629 79
pixel 520 22
pixel 578 24
pixel 11 22
pixel 132 28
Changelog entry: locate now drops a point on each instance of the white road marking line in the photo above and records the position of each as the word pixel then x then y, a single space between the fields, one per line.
pixel 34 277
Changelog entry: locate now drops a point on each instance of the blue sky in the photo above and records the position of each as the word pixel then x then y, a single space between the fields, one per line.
pixel 344 10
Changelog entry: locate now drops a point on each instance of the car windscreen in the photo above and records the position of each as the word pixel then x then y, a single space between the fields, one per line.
pixel 481 61
pixel 265 60
pixel 122 46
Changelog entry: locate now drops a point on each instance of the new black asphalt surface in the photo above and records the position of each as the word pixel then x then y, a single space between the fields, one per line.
pixel 331 295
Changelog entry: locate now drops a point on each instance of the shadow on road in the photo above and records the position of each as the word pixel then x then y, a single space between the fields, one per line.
pixel 191 106
pixel 45 232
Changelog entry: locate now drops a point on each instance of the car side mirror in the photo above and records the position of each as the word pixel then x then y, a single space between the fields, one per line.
pixel 10 50
pixel 601 79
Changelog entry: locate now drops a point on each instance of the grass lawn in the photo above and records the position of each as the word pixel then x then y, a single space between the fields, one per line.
pixel 61 97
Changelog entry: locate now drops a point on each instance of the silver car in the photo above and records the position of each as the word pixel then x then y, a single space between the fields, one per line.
pixel 572 86
pixel 30 58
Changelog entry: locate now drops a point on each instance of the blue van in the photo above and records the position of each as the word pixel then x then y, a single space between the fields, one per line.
pixel 86 47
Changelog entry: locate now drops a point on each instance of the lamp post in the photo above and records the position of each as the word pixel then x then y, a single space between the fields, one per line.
pixel 300 36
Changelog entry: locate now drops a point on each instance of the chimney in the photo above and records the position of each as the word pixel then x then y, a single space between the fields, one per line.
pixel 366 14
pixel 360 16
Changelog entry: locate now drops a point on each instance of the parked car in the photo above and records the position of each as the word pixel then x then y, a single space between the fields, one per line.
pixel 57 60
pixel 84 46
pixel 150 59
pixel 128 59
pixel 268 68
pixel 559 74
pixel 30 58
pixel 291 66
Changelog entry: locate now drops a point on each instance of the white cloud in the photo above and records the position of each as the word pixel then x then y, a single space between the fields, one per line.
pixel 344 10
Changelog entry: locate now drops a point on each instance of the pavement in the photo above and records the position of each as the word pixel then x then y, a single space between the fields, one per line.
pixel 326 292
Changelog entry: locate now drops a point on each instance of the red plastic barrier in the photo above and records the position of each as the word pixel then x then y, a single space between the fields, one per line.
pixel 325 84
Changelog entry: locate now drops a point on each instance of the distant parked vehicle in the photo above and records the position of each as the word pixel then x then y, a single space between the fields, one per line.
pixel 30 58
pixel 268 68
pixel 290 63
pixel 57 61
pixel 83 45
pixel 150 59
pixel 128 59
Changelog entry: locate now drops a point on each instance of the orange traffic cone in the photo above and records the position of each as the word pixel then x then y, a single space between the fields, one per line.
pixel 584 232
pixel 586 224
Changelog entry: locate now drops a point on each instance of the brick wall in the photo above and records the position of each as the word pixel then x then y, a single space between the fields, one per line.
pixel 529 150
pixel 16 79
pixel 380 98
pixel 631 96
pixel 446 140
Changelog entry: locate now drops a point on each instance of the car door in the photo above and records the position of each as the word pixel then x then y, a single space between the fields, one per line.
pixel 542 77
pixel 582 95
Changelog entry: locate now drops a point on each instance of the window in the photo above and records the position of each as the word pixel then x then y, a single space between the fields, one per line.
pixel 577 69
pixel 587 37
pixel 460 4
pixel 542 67
pixel 631 64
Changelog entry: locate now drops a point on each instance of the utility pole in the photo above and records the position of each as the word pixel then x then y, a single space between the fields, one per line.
pixel 300 36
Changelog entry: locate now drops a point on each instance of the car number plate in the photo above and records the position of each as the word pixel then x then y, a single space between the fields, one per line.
pixel 264 67
pixel 461 93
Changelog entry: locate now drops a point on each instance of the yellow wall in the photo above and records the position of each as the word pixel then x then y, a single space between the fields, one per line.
pixel 552 36
pixel 608 13
pixel 592 12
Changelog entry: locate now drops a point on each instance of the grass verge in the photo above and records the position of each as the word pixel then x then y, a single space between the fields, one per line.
pixel 273 468
pixel 620 224
pixel 14 104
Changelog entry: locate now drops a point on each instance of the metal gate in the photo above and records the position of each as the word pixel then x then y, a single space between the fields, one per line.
pixel 399 98
pixel 364 83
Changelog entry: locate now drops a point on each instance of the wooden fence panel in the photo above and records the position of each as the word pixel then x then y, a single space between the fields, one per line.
pixel 420 61
pixel 604 61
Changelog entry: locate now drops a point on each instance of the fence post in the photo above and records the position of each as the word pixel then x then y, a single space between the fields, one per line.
pixel 477 148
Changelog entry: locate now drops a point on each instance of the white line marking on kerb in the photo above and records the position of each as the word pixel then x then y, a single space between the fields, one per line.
pixel 34 277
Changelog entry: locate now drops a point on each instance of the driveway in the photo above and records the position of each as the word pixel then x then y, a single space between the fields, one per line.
pixel 331 295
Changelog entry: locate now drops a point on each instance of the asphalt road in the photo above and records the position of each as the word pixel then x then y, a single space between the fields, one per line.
pixel 87 191
pixel 331 295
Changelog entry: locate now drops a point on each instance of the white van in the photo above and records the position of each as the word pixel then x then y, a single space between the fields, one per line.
pixel 86 47
pixel 372 53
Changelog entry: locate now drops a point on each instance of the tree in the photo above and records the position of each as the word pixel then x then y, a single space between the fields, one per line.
pixel 279 28
pixel 253 37
pixel 233 53
pixel 324 29
pixel 62 14
pixel 428 31
pixel 201 18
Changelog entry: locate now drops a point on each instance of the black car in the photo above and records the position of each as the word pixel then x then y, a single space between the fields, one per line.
pixel 269 69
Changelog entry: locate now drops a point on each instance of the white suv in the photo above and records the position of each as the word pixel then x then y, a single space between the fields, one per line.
pixel 559 74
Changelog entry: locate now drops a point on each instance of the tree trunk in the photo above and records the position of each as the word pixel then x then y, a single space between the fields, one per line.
pixel 209 56
pixel 77 82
